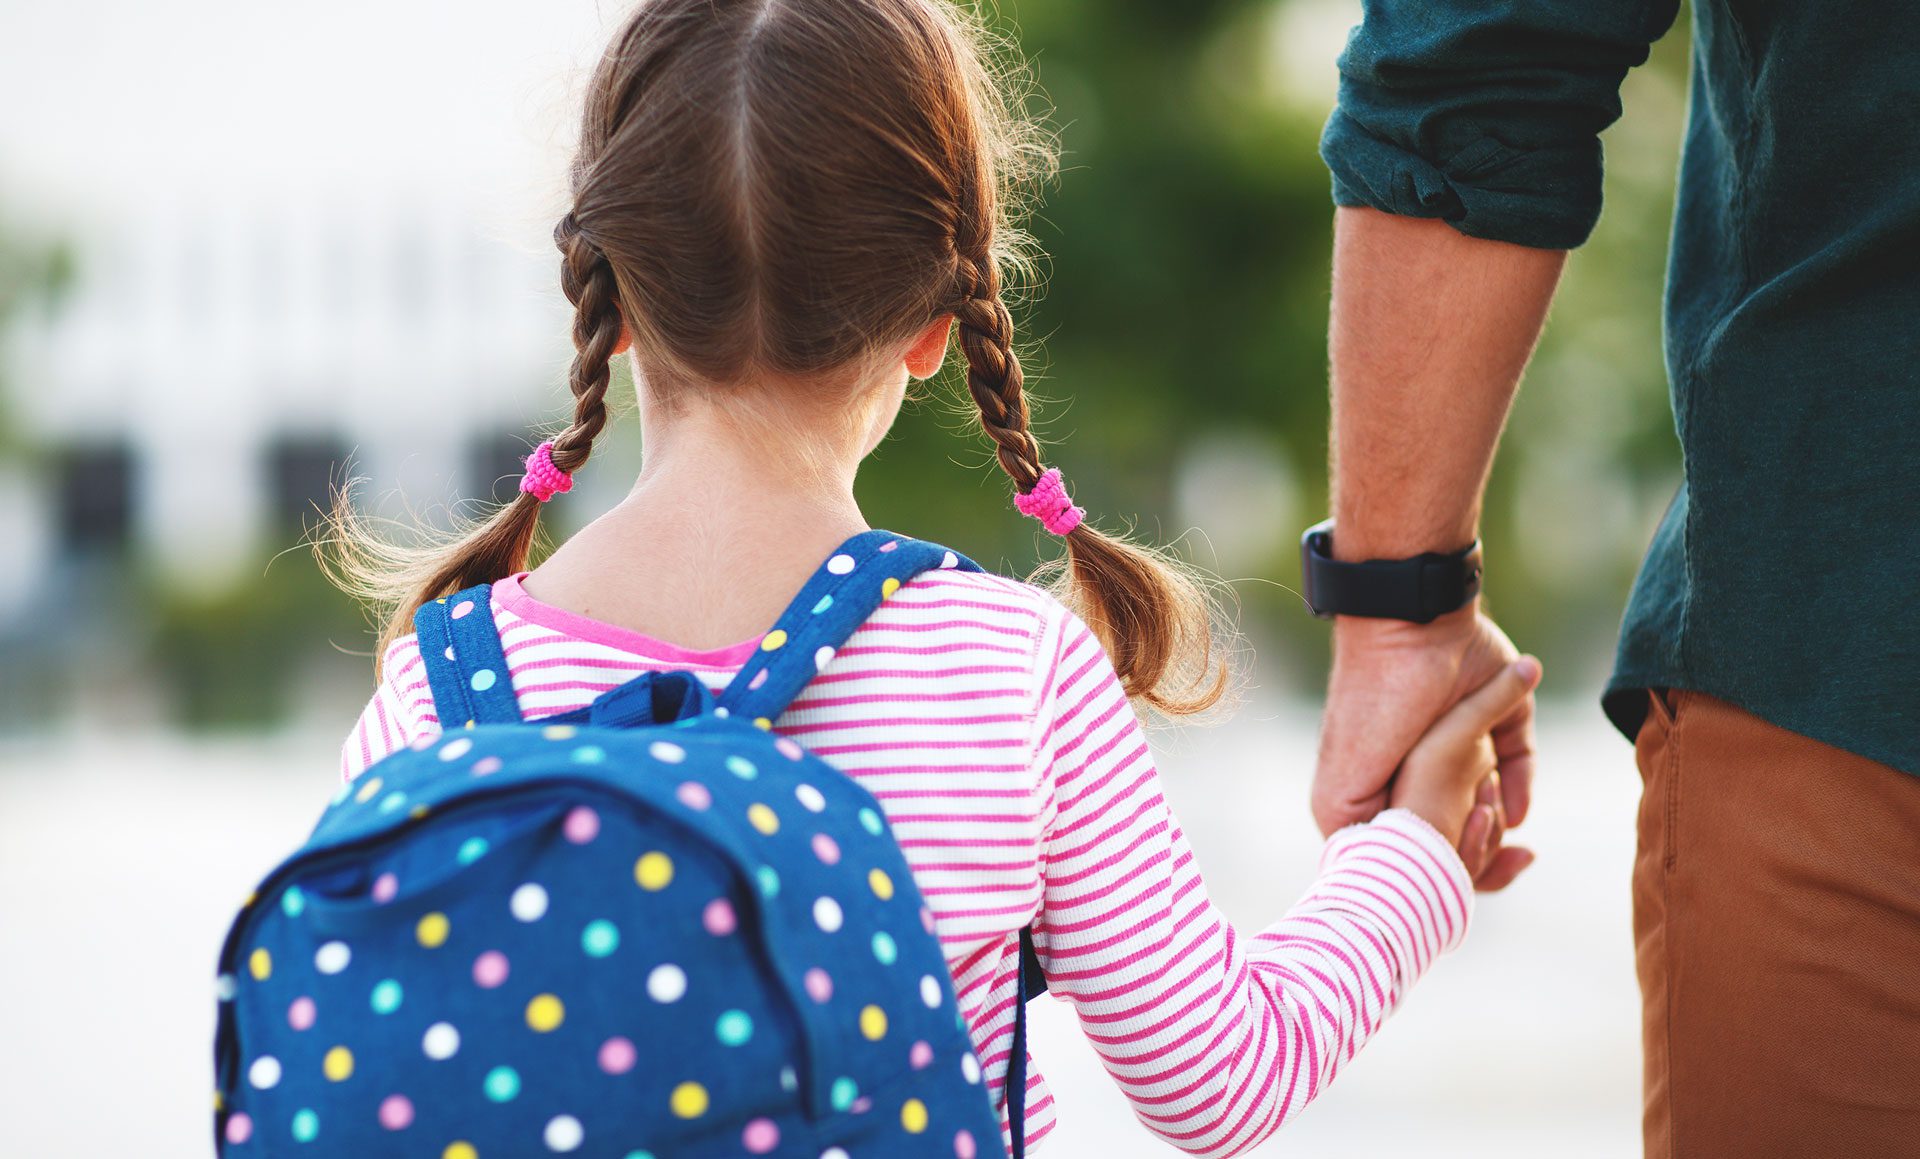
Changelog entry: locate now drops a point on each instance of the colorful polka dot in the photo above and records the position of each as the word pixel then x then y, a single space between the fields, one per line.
pixel 528 903
pixel 460 1149
pixel 618 1055
pixel 461 609
pixel 970 1067
pixel 834 1153
pixel 810 798
pixel 490 970
pixel 589 754
pixel 386 996
pixel 842 1093
pixel 789 1082
pixel 301 1013
pixel 733 1027
pixel 564 1133
pixel 600 938
pixel 581 826
pixel 666 752
pixel 260 964
pixel 332 957
pixel 920 1057
pixel 688 1101
pixel 742 767
pixel 456 748
pixel 224 987
pixel 368 788
pixel 418 811
pixel 239 1128
pixel 718 917
pixel 396 1112
pixel 887 589
pixel 913 1116
pixel 306 1125
pixel 472 850
pixel 762 818
pixel 768 879
pixel 774 641
pixel 873 1023
pixel 757 680
pixel 926 918
pixel 881 884
pixel 264 1074
pixel 885 950
pixel 441 1041
pixel 432 929
pixel 559 732
pixel 293 903
pixel 654 871
pixel 695 796
pixel 930 992
pixel 487 766
pixel 789 748
pixel 667 983
pixel 840 564
pixel 819 984
pixel 949 560
pixel 760 1137
pixel 870 821
pixel 828 915
pixel 386 887
pixel 337 1065
pixel 822 657
pixel 825 603
pixel 963 1145
pixel 826 849
pixel 484 679
pixel 764 724
pixel 545 1013
pixel 393 802
pixel 502 1084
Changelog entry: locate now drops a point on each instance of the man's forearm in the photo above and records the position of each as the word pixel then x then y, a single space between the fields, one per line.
pixel 1431 330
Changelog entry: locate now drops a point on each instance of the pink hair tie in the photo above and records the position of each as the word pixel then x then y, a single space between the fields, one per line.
pixel 543 480
pixel 1048 502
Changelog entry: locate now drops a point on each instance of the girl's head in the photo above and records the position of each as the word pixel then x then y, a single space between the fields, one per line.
pixel 772 199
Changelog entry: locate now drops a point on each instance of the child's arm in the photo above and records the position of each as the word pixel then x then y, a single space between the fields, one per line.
pixel 393 718
pixel 1216 1038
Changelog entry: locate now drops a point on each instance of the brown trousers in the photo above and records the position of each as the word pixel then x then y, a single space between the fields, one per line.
pixel 1776 899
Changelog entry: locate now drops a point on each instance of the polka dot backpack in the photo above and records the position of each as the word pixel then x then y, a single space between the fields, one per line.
pixel 649 929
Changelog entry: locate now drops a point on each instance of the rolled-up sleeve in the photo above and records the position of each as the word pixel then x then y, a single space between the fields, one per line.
pixel 1486 113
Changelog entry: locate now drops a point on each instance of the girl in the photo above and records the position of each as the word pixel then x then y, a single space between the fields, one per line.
pixel 781 208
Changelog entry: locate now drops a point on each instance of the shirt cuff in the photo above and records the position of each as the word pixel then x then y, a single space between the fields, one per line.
pixel 1405 864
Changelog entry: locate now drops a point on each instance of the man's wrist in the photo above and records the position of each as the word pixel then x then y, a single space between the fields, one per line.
pixel 1371 632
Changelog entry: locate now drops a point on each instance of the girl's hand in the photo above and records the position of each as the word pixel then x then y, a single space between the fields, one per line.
pixel 1451 777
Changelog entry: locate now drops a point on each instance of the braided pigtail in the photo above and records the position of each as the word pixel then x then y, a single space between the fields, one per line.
pixel 395 577
pixel 1155 619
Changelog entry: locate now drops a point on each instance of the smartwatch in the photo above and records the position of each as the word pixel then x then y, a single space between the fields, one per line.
pixel 1419 589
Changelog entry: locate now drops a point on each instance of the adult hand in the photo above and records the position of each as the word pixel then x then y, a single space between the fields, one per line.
pixel 1391 681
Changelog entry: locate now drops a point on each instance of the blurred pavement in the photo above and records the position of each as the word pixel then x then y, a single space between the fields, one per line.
pixel 121 863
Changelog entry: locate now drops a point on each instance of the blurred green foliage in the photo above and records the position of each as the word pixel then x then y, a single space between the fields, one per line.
pixel 1189 234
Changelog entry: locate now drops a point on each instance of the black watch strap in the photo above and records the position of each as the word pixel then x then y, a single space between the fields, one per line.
pixel 1420 589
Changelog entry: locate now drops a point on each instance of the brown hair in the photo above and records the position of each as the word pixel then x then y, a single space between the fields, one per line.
pixel 772 190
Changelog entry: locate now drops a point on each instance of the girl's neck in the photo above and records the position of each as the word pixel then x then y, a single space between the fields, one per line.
pixel 724 524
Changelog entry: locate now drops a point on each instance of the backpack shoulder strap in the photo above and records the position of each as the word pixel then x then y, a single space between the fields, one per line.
pixel 854 581
pixel 466 667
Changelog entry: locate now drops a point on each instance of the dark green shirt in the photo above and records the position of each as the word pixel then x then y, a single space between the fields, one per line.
pixel 1786 576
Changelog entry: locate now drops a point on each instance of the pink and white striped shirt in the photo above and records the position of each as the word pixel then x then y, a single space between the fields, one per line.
pixel 992 728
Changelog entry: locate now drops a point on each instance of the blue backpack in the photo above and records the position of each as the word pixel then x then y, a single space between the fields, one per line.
pixel 648 929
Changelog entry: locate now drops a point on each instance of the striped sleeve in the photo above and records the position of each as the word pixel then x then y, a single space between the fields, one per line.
pixel 400 712
pixel 1217 1039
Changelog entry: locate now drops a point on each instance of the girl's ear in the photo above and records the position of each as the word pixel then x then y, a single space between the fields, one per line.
pixel 626 342
pixel 929 348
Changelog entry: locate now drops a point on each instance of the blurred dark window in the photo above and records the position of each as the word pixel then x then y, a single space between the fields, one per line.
pixel 303 472
pixel 495 464
pixel 95 497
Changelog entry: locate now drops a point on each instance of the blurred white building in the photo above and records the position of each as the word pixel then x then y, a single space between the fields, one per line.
pixel 217 366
